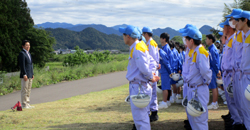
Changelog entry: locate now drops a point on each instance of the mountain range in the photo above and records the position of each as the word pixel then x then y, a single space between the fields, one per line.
pixel 114 30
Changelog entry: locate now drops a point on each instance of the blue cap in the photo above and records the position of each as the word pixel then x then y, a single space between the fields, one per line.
pixel 224 23
pixel 187 27
pixel 147 29
pixel 218 41
pixel 193 33
pixel 140 31
pixel 235 12
pixel 221 33
pixel 130 30
pixel 244 14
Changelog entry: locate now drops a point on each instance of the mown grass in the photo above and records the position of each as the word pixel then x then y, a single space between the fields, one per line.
pixel 104 110
pixel 57 73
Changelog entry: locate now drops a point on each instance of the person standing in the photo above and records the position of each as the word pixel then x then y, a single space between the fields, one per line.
pixel 153 51
pixel 166 69
pixel 138 74
pixel 214 66
pixel 26 74
pixel 199 77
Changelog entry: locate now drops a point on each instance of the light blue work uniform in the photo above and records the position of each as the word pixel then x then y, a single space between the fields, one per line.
pixel 199 77
pixel 236 59
pixel 153 51
pixel 245 78
pixel 139 72
pixel 227 70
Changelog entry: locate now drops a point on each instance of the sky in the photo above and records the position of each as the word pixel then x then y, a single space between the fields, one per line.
pixel 152 13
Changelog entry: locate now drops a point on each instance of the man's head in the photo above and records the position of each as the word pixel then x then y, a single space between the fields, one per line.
pixel 26 45
pixel 182 48
pixel 192 38
pixel 147 33
pixel 243 20
pixel 210 39
pixel 171 44
pixel 130 34
pixel 232 21
pixel 164 39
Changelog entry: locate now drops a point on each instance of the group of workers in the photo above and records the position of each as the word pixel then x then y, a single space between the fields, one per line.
pixel 200 70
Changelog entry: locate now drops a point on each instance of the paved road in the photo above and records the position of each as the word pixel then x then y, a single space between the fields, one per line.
pixel 67 89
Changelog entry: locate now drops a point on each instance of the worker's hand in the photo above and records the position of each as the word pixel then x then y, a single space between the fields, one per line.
pixel 180 71
pixel 171 75
pixel 219 75
pixel 159 67
pixel 32 77
pixel 155 79
pixel 25 78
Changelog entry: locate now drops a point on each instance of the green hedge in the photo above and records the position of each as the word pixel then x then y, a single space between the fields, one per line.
pixel 55 75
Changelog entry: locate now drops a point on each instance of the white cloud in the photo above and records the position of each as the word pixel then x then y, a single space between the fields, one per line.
pixel 153 13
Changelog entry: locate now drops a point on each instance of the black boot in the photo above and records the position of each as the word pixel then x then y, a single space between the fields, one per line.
pixel 226 116
pixel 186 122
pixel 134 128
pixel 154 116
pixel 229 124
pixel 188 126
pixel 238 127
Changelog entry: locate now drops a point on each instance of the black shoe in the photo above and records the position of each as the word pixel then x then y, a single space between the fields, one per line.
pixel 244 127
pixel 154 116
pixel 134 128
pixel 186 122
pixel 187 127
pixel 226 116
pixel 238 127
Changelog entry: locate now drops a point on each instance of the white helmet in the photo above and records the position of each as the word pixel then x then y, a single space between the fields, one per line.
pixel 230 90
pixel 175 76
pixel 158 89
pixel 219 81
pixel 184 102
pixel 247 93
pixel 194 108
pixel 127 99
pixel 179 83
pixel 140 100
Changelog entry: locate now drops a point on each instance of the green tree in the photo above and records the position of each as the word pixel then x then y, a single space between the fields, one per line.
pixel 177 39
pixel 16 25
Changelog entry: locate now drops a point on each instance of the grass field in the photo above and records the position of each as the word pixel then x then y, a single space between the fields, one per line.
pixel 104 110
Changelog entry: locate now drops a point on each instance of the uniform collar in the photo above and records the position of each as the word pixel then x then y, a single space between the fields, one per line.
pixel 149 40
pixel 197 48
pixel 248 33
pixel 230 38
pixel 133 45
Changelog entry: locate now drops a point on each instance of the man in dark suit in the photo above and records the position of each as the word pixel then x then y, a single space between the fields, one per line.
pixel 26 74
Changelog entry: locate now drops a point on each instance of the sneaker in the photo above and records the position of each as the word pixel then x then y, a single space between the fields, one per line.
pixel 30 106
pixel 223 97
pixel 213 106
pixel 162 105
pixel 220 91
pixel 168 103
pixel 178 96
pixel 172 99
pixel 26 107
pixel 225 102
pixel 178 100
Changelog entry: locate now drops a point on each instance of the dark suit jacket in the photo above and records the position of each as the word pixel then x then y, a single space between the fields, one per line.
pixel 25 64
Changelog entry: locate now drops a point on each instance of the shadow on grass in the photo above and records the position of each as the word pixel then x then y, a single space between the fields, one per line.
pixel 163 125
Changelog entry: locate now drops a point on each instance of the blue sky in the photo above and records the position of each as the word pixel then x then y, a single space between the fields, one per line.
pixel 152 13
